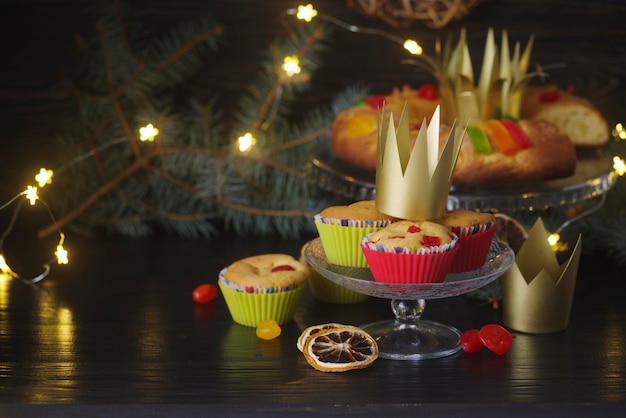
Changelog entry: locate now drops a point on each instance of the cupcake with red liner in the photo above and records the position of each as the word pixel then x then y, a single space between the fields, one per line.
pixel 267 286
pixel 341 229
pixel 475 231
pixel 410 252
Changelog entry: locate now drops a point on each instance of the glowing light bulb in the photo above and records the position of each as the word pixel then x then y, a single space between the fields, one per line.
pixel 4 267
pixel 619 166
pixel 413 47
pixel 553 239
pixel 31 194
pixel 147 133
pixel 246 142
pixel 306 13
pixel 619 132
pixel 44 177
pixel 291 65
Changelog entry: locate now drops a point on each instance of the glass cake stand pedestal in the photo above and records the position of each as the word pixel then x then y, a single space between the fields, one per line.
pixel 408 337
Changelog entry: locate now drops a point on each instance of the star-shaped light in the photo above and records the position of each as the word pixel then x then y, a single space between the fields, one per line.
pixel 291 65
pixel 148 132
pixel 44 177
pixel 619 166
pixel 306 13
pixel 413 47
pixel 246 142
pixel 31 194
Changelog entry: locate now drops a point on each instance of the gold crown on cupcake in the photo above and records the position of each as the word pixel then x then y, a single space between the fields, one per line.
pixel 537 290
pixel 414 184
pixel 499 88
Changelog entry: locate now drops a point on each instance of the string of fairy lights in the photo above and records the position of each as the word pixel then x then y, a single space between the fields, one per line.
pixel 244 143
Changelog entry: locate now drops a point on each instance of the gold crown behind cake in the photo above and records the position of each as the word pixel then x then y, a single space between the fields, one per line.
pixel 414 184
pixel 537 293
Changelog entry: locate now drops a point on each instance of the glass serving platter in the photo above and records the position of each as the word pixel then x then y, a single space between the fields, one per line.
pixel 593 177
pixel 407 337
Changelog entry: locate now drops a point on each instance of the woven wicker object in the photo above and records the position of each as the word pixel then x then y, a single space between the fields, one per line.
pixel 402 13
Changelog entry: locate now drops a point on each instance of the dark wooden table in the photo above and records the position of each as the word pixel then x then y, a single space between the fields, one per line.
pixel 116 333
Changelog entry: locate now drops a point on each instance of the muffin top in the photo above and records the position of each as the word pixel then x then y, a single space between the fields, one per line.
pixel 467 222
pixel 414 235
pixel 267 271
pixel 362 210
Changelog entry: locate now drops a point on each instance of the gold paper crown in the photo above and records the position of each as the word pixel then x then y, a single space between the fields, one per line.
pixel 500 86
pixel 414 184
pixel 536 292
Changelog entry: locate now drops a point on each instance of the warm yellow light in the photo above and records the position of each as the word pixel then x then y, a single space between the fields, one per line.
pixel 44 177
pixel 291 65
pixel 61 253
pixel 413 47
pixel 148 132
pixel 246 142
pixel 553 239
pixel 619 132
pixel 31 194
pixel 5 269
pixel 619 166
pixel 306 13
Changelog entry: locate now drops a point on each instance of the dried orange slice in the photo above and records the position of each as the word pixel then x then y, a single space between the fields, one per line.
pixel 340 349
pixel 312 330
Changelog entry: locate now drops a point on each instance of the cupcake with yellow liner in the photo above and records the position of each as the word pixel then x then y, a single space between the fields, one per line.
pixel 475 231
pixel 267 286
pixel 341 229
pixel 328 291
pixel 410 252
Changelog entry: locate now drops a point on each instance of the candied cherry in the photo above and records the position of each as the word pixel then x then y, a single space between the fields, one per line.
pixel 549 96
pixel 204 293
pixel 428 92
pixel 375 102
pixel 431 241
pixel 414 229
pixel 268 329
pixel 283 267
pixel 496 338
pixel 470 341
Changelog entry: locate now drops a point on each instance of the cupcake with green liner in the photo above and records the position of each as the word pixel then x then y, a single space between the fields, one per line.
pixel 327 291
pixel 341 229
pixel 475 231
pixel 410 252
pixel 261 287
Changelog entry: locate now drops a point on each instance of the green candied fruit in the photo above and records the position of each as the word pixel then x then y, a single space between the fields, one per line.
pixel 511 117
pixel 480 143
pixel 360 102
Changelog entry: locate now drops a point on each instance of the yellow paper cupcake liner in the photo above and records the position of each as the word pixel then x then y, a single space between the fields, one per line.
pixel 342 244
pixel 249 309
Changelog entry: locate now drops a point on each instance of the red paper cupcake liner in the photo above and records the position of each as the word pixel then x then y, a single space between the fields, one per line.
pixel 409 268
pixel 473 251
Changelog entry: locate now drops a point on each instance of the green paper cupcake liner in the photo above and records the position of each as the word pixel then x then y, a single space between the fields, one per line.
pixel 342 244
pixel 327 291
pixel 250 309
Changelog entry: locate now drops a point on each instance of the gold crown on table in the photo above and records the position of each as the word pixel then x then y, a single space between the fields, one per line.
pixel 414 184
pixel 500 86
pixel 537 292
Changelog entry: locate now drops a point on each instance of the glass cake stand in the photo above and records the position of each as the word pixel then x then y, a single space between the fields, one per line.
pixel 407 337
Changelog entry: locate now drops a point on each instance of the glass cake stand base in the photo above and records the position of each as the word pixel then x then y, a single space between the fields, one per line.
pixel 410 338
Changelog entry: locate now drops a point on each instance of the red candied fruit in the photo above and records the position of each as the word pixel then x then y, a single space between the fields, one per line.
pixel 414 229
pixel 428 92
pixel 375 102
pixel 431 241
pixel 470 341
pixel 496 338
pixel 397 237
pixel 204 293
pixel 282 268
pixel 549 96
